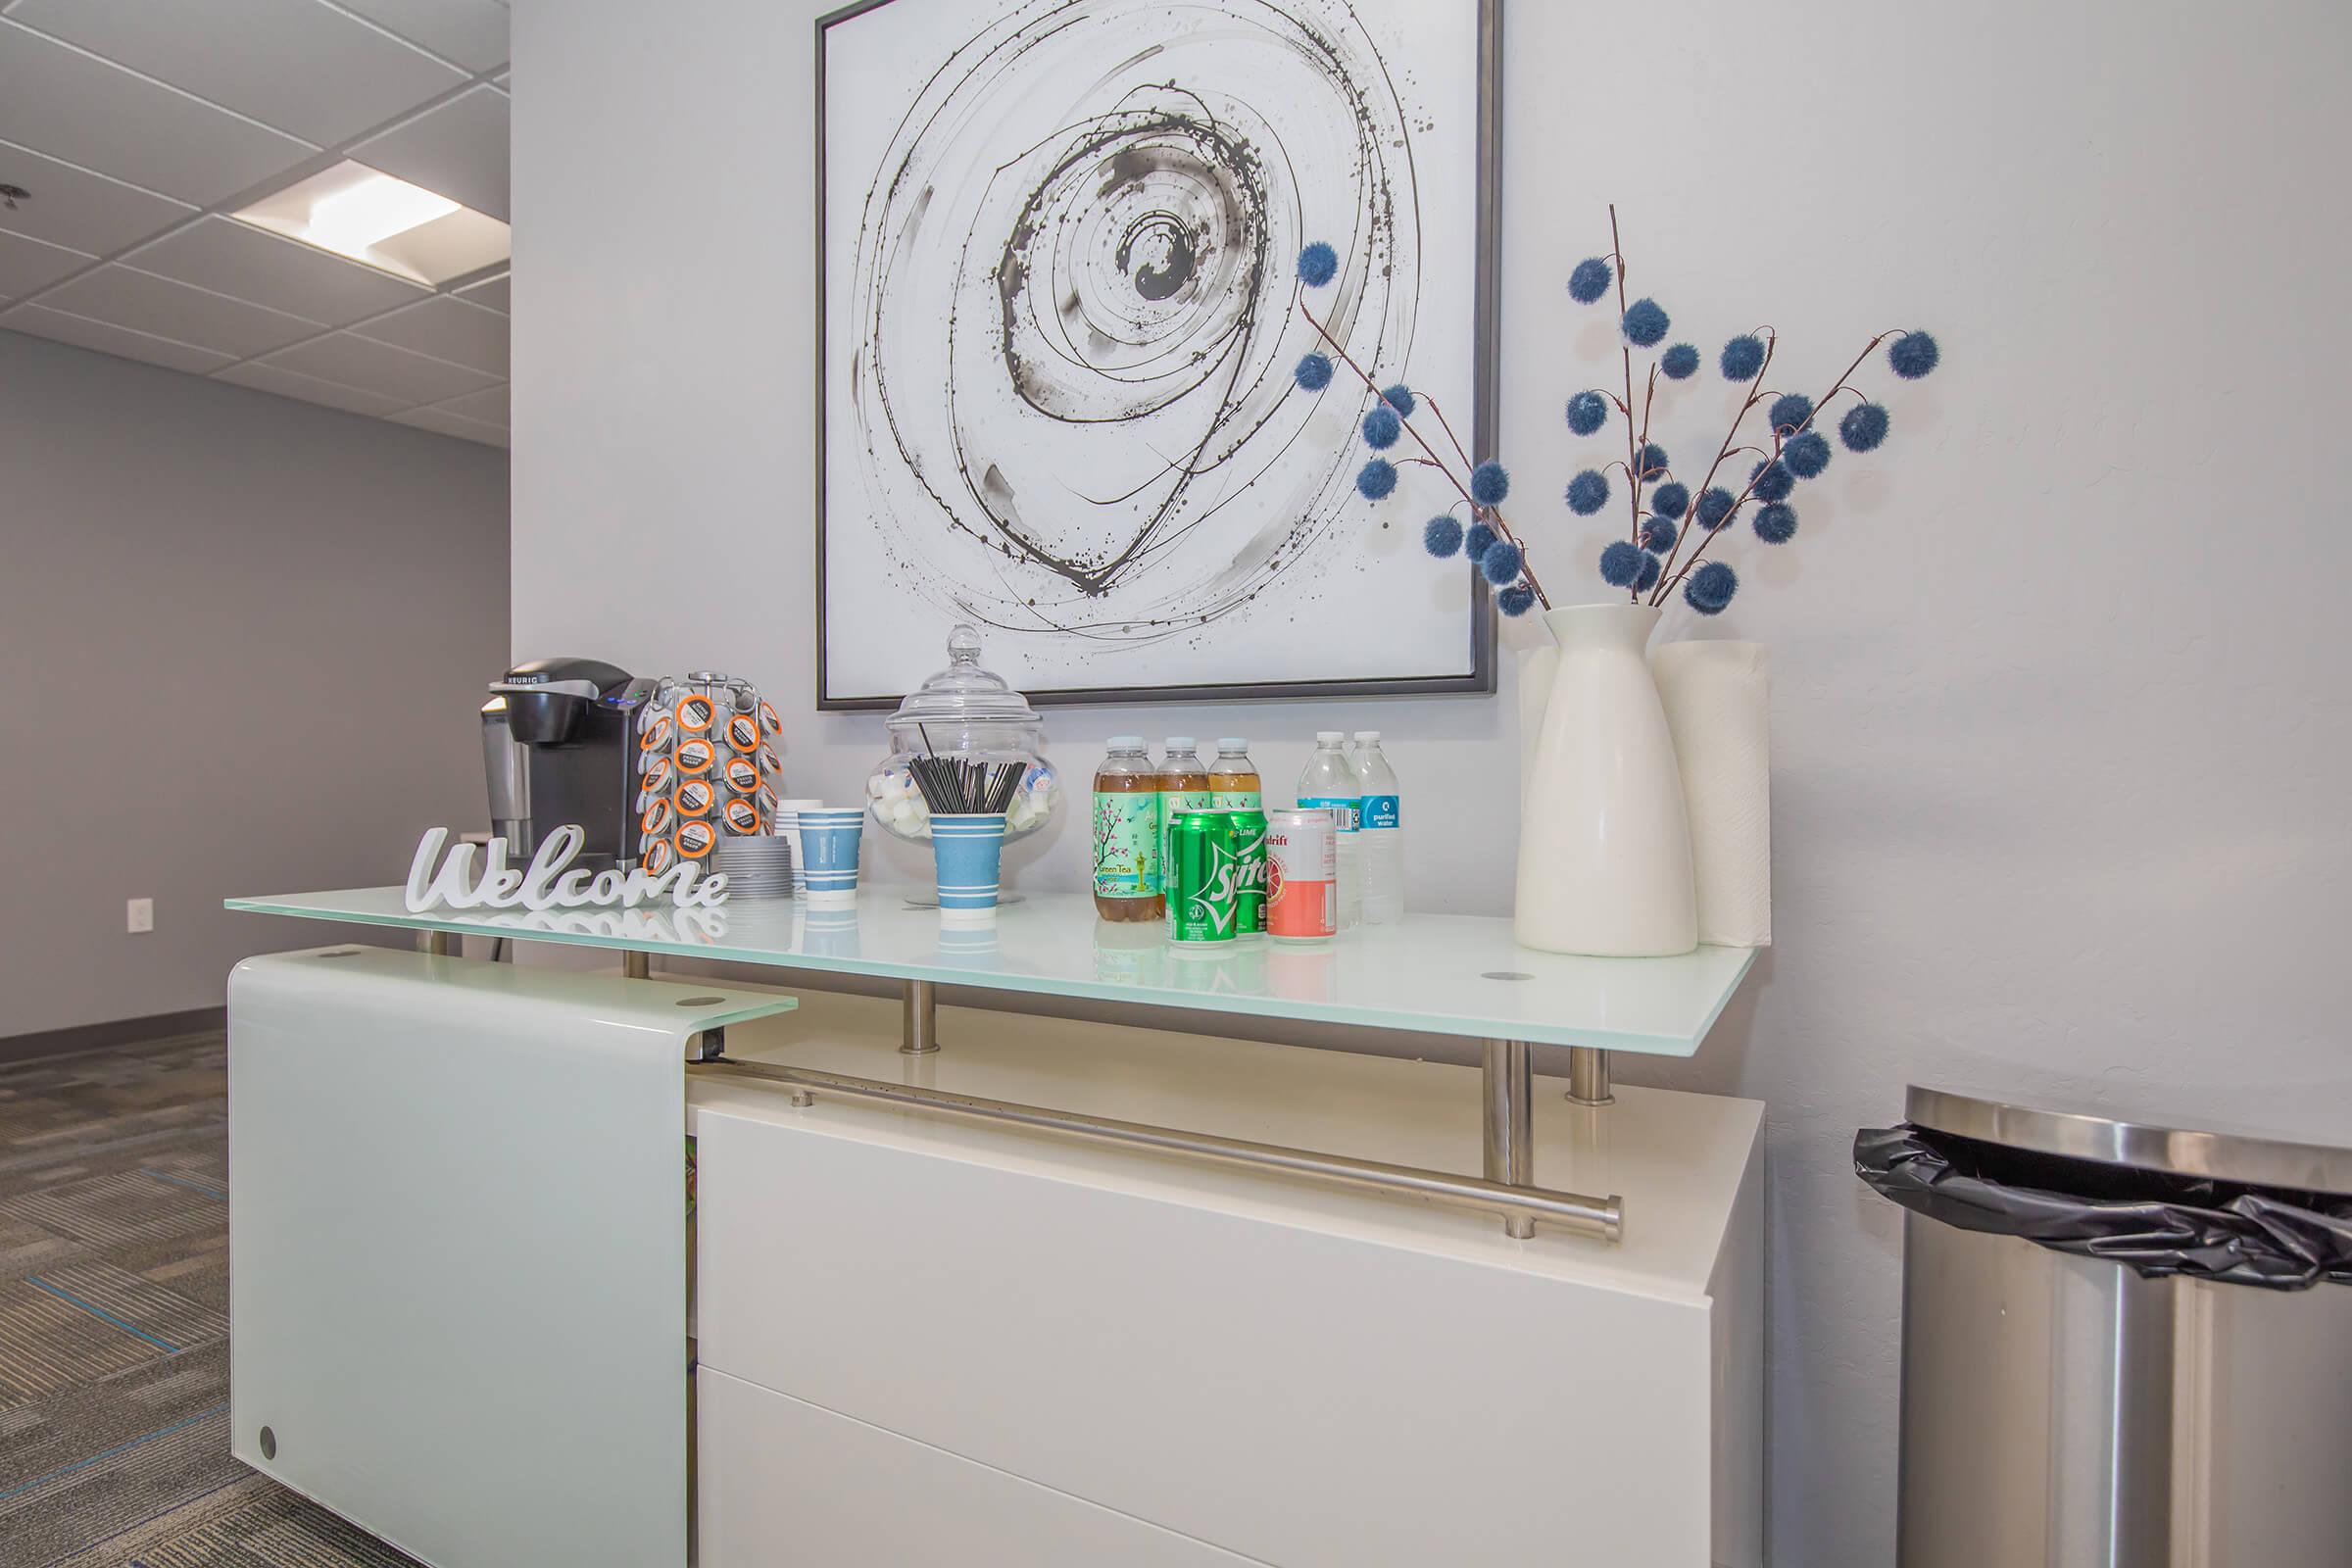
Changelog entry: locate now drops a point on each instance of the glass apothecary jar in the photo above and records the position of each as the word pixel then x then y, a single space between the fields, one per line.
pixel 968 713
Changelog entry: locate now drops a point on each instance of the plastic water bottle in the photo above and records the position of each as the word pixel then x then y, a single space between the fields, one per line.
pixel 1330 784
pixel 1379 831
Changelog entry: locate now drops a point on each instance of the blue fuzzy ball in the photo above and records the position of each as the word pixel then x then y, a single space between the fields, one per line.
pixel 1771 481
pixel 1589 282
pixel 1587 412
pixel 1862 427
pixel 1789 413
pixel 1710 588
pixel 1515 602
pixel 1645 323
pixel 1479 540
pixel 1376 480
pixel 1490 483
pixel 1775 524
pixel 1651 566
pixel 1382 427
pixel 1658 535
pixel 1319 265
pixel 1807 455
pixel 1914 355
pixel 1715 509
pixel 1653 463
pixel 1502 562
pixel 1680 363
pixel 1401 398
pixel 1313 372
pixel 1443 535
pixel 1743 358
pixel 1621 563
pixel 1671 499
pixel 1588 492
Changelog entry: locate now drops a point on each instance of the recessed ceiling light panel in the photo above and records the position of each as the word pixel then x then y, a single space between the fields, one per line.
pixel 369 217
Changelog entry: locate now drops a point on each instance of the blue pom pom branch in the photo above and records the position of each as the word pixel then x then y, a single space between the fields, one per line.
pixel 1652 560
pixel 1498 556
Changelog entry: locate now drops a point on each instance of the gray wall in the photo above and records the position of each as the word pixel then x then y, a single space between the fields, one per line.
pixel 246 638
pixel 2058 701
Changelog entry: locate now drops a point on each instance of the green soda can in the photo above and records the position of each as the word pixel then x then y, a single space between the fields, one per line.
pixel 1203 877
pixel 1250 855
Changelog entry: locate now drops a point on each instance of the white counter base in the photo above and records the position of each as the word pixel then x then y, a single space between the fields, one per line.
pixel 1036 1347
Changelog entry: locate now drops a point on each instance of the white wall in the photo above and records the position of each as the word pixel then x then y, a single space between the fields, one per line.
pixel 246 637
pixel 2058 698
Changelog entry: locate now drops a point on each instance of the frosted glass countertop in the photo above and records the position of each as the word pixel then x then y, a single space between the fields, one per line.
pixel 1450 974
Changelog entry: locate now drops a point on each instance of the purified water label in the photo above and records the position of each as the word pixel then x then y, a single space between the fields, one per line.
pixel 1126 845
pixel 1379 810
pixel 1344 810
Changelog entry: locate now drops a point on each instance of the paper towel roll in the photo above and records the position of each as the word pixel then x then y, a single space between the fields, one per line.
pixel 1719 705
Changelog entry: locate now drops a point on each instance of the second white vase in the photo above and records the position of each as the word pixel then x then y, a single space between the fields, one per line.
pixel 1604 845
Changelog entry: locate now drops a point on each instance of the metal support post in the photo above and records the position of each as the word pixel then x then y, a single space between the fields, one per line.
pixel 637 966
pixel 1510 1144
pixel 1588 1076
pixel 918 1033
pixel 440 943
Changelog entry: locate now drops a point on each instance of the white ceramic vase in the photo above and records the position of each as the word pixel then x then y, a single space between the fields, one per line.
pixel 1718 699
pixel 1604 847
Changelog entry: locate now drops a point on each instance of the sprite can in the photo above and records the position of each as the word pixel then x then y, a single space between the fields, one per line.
pixel 1203 877
pixel 1250 854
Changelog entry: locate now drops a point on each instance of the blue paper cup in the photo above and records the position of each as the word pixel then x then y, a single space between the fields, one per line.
pixel 829 836
pixel 968 847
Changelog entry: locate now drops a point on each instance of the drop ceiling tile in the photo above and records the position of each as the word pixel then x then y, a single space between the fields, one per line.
pixel 305 68
pixel 471 33
pixel 491 292
pixel 458 150
pixel 289 384
pixel 447 328
pixel 490 405
pixel 29 264
pixel 103 117
pixel 433 419
pixel 106 339
pixel 146 303
pixel 76 207
pixel 251 263
pixel 381 369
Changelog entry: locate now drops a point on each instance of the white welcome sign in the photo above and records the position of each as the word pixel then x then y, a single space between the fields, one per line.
pixel 547 883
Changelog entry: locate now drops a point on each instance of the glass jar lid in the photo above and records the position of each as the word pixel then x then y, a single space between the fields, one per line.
pixel 964 693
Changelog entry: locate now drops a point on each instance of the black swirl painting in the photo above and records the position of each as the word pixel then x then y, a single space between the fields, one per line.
pixel 1058 252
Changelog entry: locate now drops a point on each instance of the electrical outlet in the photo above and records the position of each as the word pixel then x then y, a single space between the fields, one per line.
pixel 139 915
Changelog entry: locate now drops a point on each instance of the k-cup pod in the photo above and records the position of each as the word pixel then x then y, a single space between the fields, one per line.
pixel 696 756
pixel 743 775
pixel 658 818
pixel 656 734
pixel 765 799
pixel 771 764
pixel 743 733
pixel 741 816
pixel 694 797
pixel 659 857
pixel 828 854
pixel 770 724
pixel 695 839
pixel 657 771
pixel 696 714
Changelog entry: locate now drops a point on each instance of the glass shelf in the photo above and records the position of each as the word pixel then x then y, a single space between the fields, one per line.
pixel 1449 974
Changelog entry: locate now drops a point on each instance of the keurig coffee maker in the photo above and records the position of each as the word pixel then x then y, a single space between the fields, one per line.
pixel 558 738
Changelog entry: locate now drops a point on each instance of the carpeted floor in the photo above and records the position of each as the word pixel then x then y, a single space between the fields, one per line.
pixel 113 1327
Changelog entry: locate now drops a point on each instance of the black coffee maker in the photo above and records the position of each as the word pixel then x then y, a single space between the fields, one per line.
pixel 559 737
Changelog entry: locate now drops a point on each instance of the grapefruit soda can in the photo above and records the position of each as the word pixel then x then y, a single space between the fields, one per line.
pixel 1302 875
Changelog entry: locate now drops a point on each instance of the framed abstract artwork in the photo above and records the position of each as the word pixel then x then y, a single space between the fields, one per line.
pixel 1058 314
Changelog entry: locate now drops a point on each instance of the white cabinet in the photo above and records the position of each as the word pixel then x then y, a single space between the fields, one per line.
pixel 1240 1364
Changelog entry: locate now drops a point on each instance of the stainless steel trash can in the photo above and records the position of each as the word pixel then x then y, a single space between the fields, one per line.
pixel 2061 1412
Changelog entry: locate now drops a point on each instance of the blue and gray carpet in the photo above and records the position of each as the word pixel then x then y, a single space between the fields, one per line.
pixel 113 1327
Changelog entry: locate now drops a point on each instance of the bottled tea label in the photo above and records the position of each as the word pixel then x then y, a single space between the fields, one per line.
pixel 1126 845
pixel 1171 804
pixel 1237 800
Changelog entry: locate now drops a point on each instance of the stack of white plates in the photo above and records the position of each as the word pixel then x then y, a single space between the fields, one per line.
pixel 756 865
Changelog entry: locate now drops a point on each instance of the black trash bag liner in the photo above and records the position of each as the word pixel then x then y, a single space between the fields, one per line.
pixel 2156 1222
